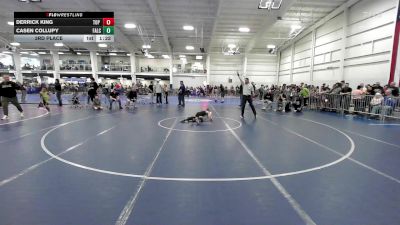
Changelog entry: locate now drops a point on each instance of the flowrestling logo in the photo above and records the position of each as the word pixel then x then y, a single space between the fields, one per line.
pixel 270 4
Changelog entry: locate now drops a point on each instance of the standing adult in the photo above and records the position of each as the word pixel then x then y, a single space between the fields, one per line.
pixel 135 89
pixel 222 93
pixel 166 92
pixel 261 92
pixel 240 95
pixel 158 93
pixel 92 90
pixel 346 96
pixel 151 92
pixel 23 93
pixel 248 92
pixel 8 94
pixel 181 94
pixel 106 93
pixel 394 89
pixel 58 89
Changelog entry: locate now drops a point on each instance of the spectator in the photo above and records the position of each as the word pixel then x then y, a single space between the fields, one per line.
pixel 357 98
pixel 394 90
pixel 92 90
pixel 58 89
pixel 23 93
pixel 305 95
pixel 389 103
pixel 114 97
pixel 166 92
pixel 158 90
pixel 377 88
pixel 151 92
pixel 181 94
pixel 44 95
pixel 376 104
pixel 97 103
pixel 222 93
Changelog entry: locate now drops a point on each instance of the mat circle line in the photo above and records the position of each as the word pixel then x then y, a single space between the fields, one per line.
pixel 228 179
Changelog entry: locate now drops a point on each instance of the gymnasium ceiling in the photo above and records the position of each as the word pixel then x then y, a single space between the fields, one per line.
pixel 215 22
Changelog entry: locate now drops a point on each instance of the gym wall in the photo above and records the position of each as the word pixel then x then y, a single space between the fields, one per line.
pixel 359 52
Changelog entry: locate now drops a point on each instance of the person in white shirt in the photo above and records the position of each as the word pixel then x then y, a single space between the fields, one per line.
pixel 158 93
pixel 248 92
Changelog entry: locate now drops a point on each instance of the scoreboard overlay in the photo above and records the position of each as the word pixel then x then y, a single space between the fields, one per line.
pixel 64 27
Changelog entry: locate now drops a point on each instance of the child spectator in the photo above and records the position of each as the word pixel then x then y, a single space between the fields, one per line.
pixel 97 103
pixel 44 95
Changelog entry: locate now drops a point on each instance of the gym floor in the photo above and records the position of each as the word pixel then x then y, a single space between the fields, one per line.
pixel 77 166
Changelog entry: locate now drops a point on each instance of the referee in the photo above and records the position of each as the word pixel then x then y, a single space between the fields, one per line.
pixel 248 91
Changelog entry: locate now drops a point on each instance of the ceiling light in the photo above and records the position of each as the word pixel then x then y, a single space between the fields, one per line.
pixel 102 45
pixel 34 54
pixel 188 27
pixel 231 46
pixel 97 53
pixel 15 44
pixel 189 47
pixel 113 53
pixel 61 53
pixel 182 56
pixel 130 25
pixel 58 44
pixel 296 27
pixel 271 46
pixel 150 56
pixel 146 46
pixel 129 54
pixel 199 57
pixel 24 53
pixel 78 53
pixel 244 29
pixel 41 53
pixel 11 23
pixel 6 52
pixel 165 56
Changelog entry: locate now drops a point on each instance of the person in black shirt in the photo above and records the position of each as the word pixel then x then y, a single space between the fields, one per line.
pixel 394 89
pixel 131 98
pixel 199 117
pixel 377 88
pixel 58 89
pixel 240 94
pixel 114 97
pixel 222 93
pixel 8 94
pixel 92 90
pixel 181 94
pixel 268 99
pixel 346 96
pixel 346 89
pixel 151 92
